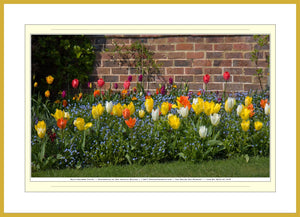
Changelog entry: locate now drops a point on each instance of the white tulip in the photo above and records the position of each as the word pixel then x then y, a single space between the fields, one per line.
pixel 183 111
pixel 215 119
pixel 231 102
pixel 155 114
pixel 109 106
pixel 195 101
pixel 203 131
pixel 239 109
pixel 267 109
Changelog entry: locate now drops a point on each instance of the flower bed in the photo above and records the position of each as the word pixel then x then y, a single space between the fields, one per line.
pixel 133 126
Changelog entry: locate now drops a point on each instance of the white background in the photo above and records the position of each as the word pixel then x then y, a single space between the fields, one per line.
pixel 15 18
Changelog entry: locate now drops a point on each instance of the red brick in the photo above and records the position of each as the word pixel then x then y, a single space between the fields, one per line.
pixel 110 78
pixel 125 78
pixel 214 39
pixel 119 71
pixel 166 47
pixel 262 63
pixel 193 71
pixel 234 55
pixel 212 71
pixel 153 85
pixel 188 78
pixel 175 70
pixel 195 39
pixel 242 47
pixel 243 79
pixel 265 47
pixel 220 78
pixel 214 86
pixel 222 62
pixel 214 55
pixel 243 63
pixel 101 70
pixel 176 55
pixel 195 86
pixel 233 87
pixel 248 55
pixel 176 39
pixel 110 63
pixel 248 87
pixel 165 63
pixel 184 46
pixel 198 78
pixel 250 71
pixel 157 40
pixel 203 47
pixel 183 62
pixel 160 56
pixel 249 39
pixel 201 63
pixel 232 39
pixel 120 41
pixel 264 79
pixel 195 55
pixel 104 55
pixel 233 70
pixel 163 78
pixel 223 47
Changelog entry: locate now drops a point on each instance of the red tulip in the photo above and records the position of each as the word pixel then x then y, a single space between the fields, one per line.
pixel 126 85
pixel 62 123
pixel 206 79
pixel 226 76
pixel 75 83
pixel 101 82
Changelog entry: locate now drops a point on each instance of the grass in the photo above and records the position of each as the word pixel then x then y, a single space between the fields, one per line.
pixel 238 167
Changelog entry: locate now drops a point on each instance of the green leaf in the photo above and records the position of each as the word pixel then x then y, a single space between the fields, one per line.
pixel 128 158
pixel 247 158
pixel 182 155
pixel 214 142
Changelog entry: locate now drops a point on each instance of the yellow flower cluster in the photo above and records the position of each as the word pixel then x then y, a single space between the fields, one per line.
pixel 61 114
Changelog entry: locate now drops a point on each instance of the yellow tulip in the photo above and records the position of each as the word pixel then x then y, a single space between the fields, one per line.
pixel 97 111
pixel 217 108
pixel 209 108
pixel 141 113
pixel 131 108
pixel 174 121
pixel 47 93
pixel 58 114
pixel 117 110
pixel 41 129
pixel 80 124
pixel 248 100
pixel 35 84
pixel 164 108
pixel 245 113
pixel 149 105
pixel 49 79
pixel 258 125
pixel 245 125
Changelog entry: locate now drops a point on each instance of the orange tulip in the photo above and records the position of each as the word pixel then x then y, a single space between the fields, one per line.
pixel 65 103
pixel 96 93
pixel 184 100
pixel 263 102
pixel 126 113
pixel 62 123
pixel 250 107
pixel 131 122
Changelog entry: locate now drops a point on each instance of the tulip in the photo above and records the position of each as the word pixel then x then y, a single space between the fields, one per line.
pixel 75 83
pixel 149 104
pixel 248 101
pixel 80 124
pixel 245 125
pixel 100 82
pixel 126 113
pixel 267 109
pixel 174 121
pixel 109 107
pixel 164 108
pixel 47 93
pixel 65 103
pixel 258 125
pixel 206 79
pixel 229 104
pixel 195 101
pixel 199 107
pixel 62 123
pixel 245 113
pixel 155 114
pixel 35 84
pixel 183 101
pixel 141 113
pixel 263 102
pixel 131 122
pixel 97 111
pixel 251 108
pixel 63 94
pixel 170 81
pixel 131 108
pixel 66 115
pixel 129 78
pixel 96 93
pixel 226 76
pixel 58 114
pixel 49 79
pixel 140 78
pixel 183 111
pixel 239 109
pixel 215 119
pixel 116 86
pixel 163 90
pixel 209 108
pixel 217 108
pixel 40 128
pixel 90 85
pixel 117 110
pixel 202 131
pixel 126 85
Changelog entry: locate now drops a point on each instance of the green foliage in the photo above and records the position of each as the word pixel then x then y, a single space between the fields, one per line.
pixel 65 57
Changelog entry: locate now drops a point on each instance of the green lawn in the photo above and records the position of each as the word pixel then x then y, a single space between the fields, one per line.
pixel 238 167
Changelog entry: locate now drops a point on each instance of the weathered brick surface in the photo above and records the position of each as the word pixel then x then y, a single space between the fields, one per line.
pixel 185 58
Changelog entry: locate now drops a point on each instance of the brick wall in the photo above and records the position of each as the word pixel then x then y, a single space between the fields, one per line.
pixel 187 58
